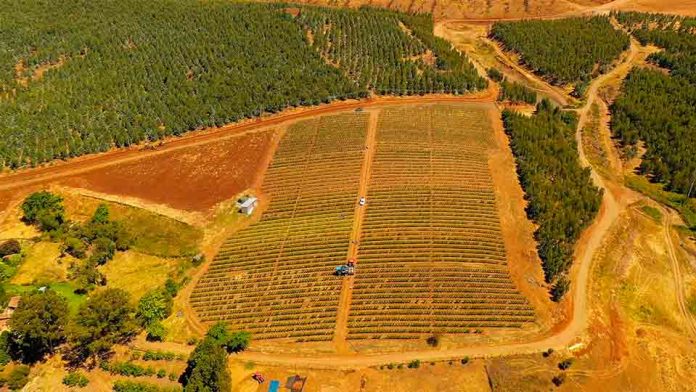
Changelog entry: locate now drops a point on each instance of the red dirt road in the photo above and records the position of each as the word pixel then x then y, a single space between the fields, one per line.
pixel 14 185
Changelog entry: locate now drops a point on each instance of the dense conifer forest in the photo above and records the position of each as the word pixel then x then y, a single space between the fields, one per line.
pixel 565 51
pixel 389 52
pixel 80 76
pixel 659 106
pixel 562 199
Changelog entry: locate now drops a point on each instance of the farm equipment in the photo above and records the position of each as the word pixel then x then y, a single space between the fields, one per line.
pixel 258 377
pixel 296 383
pixel 346 269
pixel 274 386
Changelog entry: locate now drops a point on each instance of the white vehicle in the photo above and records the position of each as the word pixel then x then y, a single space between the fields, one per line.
pixel 362 201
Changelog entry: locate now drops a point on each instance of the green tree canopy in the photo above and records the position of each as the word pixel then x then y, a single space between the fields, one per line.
pixel 44 209
pixel 155 305
pixel 207 370
pixel 105 319
pixel 38 325
pixel 232 341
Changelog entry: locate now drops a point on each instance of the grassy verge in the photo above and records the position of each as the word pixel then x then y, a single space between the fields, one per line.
pixel 154 234
pixel 687 208
pixel 137 273
pixel 652 212
pixel 67 290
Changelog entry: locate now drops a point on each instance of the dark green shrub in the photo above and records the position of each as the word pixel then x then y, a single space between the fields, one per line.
pixel 560 288
pixel 565 364
pixel 45 210
pixel 433 341
pixel 494 74
pixel 136 386
pixel 75 379
pixel 19 377
pixel 10 247
pixel 158 356
pixel 156 332
pixel 129 369
pixel 415 364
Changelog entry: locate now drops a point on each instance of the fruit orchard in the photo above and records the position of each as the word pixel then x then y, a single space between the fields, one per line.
pixel 431 257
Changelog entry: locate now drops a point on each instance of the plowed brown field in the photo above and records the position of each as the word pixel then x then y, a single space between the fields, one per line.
pixel 193 179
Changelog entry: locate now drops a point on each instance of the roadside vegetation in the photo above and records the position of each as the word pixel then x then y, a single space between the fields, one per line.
pixel 657 105
pixel 516 93
pixel 84 76
pixel 562 199
pixel 566 51
pixel 41 325
pixel 86 319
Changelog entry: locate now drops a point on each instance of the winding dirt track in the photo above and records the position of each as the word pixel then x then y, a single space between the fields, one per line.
pixel 676 271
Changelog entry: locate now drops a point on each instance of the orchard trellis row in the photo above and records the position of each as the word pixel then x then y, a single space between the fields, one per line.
pixel 274 279
pixel 431 258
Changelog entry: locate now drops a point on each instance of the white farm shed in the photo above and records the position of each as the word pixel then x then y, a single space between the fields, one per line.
pixel 247 205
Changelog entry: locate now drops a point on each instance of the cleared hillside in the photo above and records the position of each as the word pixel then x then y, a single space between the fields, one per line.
pixel 431 257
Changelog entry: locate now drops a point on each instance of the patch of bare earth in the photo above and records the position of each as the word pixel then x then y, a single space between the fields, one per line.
pixel 191 179
pixel 469 9
pixel 429 377
pixel 681 7
pixel 24 75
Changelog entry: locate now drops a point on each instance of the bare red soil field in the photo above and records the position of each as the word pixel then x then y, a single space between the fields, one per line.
pixel 193 179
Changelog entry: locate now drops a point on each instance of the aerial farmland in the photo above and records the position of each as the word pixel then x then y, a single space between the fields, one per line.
pixel 427 241
pixel 366 196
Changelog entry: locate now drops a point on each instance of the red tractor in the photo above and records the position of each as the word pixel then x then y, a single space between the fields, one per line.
pixel 258 377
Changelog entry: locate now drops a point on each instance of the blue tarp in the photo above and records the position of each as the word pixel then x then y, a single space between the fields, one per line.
pixel 274 386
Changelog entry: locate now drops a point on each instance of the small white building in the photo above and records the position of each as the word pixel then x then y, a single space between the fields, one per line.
pixel 247 204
